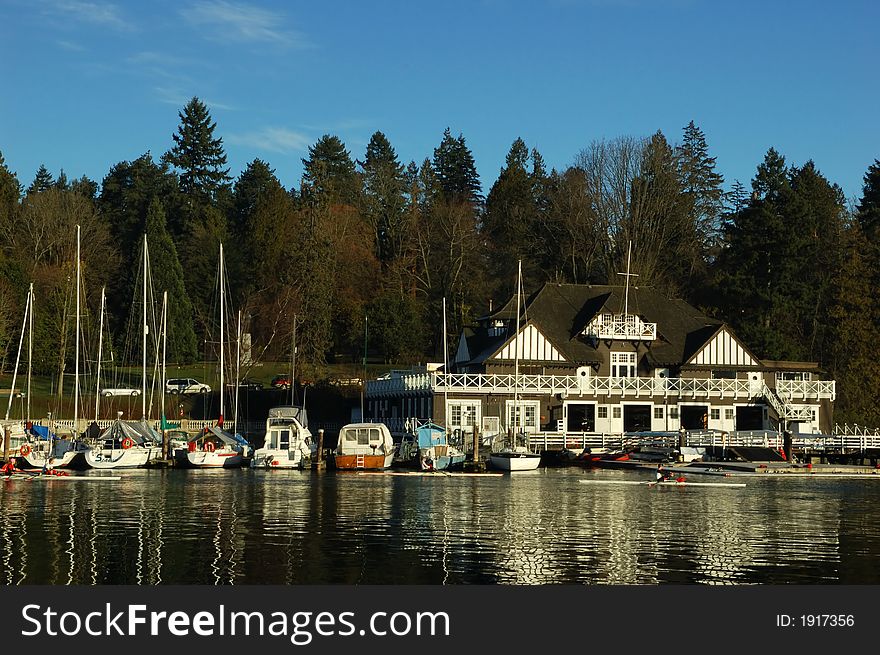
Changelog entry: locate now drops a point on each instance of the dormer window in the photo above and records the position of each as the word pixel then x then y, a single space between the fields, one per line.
pixel 625 327
pixel 497 328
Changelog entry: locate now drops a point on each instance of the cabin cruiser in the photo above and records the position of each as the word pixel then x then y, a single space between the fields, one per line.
pixel 364 446
pixel 289 443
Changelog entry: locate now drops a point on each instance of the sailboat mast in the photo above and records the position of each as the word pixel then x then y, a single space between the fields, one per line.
pixel 76 365
pixel 162 416
pixel 24 323
pixel 144 331
pixel 445 367
pixel 626 294
pixel 100 349
pixel 222 319
pixel 293 365
pixel 237 372
pixel 516 356
pixel 30 350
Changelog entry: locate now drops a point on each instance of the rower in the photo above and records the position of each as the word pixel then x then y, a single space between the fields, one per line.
pixel 8 467
pixel 662 475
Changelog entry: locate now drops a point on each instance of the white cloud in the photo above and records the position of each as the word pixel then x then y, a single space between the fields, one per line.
pixel 229 21
pixel 180 98
pixel 272 139
pixel 70 45
pixel 100 13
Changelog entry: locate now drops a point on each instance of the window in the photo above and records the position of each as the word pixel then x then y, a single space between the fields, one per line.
pixel 363 437
pixel 464 414
pixel 284 439
pixel 728 414
pixel 715 413
pixel 615 412
pixel 673 412
pixel 658 412
pixel 523 416
pixel 623 365
pixel 723 375
pixel 602 411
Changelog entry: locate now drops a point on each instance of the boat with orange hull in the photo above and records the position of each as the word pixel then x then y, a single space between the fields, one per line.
pixel 364 447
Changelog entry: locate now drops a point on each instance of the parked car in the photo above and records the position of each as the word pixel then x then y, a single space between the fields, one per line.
pixel 186 385
pixel 281 381
pixel 120 391
pixel 247 383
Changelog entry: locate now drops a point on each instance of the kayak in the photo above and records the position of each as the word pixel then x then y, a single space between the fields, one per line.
pixel 70 478
pixel 667 483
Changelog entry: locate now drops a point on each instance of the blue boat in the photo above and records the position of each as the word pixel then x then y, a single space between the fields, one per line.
pixel 435 451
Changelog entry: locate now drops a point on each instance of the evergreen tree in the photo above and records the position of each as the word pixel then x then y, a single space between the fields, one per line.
pixel 126 193
pixel 510 224
pixel 85 187
pixel 43 181
pixel 868 209
pixel 455 170
pixel 167 275
pixel 701 185
pixel 197 154
pixel 10 194
pixel 330 172
pixel 854 320
pixel 384 197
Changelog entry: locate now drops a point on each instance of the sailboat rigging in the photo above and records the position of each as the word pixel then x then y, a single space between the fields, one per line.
pixel 516 457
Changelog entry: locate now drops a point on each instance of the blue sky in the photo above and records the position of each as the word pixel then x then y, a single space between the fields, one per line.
pixel 88 83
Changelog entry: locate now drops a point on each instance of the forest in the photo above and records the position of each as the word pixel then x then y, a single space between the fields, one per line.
pixel 368 241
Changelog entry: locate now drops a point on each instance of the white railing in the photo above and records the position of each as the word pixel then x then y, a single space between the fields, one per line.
pixel 806 389
pixel 621 326
pixel 591 385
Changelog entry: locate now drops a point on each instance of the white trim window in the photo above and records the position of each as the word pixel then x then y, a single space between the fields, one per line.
pixel 526 416
pixel 623 365
pixel 464 415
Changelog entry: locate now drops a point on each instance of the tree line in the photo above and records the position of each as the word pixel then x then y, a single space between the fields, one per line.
pixel 366 249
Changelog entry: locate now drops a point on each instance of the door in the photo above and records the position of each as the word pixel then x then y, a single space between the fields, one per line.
pixel 749 418
pixel 636 418
pixel 581 417
pixel 694 417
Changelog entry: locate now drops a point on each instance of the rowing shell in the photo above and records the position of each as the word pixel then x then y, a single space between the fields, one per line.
pixel 70 478
pixel 668 483
pixel 428 474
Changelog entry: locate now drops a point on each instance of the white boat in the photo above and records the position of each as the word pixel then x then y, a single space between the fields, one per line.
pixel 289 442
pixel 212 448
pixel 125 444
pixel 49 452
pixel 514 459
pixel 365 446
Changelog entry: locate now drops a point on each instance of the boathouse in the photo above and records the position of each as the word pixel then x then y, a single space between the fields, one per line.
pixel 604 360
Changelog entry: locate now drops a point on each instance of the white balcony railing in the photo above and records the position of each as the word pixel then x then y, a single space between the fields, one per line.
pixel 595 386
pixel 627 327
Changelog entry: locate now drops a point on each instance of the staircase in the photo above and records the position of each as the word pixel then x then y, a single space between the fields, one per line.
pixel 784 411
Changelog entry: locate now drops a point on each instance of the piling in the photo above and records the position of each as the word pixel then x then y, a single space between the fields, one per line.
pixel 6 437
pixel 319 464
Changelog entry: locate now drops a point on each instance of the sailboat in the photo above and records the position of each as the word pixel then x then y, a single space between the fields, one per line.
pixel 50 452
pixel 213 447
pixel 126 444
pixel 516 457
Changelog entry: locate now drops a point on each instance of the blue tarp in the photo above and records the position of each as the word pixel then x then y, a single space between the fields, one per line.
pixel 40 431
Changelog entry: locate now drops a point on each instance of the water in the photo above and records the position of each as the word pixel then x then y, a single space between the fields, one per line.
pixel 290 527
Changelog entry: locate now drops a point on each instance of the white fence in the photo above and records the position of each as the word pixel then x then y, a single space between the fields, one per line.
pixel 592 386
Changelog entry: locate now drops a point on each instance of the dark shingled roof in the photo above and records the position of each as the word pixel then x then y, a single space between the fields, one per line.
pixel 561 311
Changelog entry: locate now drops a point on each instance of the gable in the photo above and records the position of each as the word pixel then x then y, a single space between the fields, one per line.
pixel 533 346
pixel 723 350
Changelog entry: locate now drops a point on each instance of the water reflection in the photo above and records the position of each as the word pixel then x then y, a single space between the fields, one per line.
pixel 294 527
